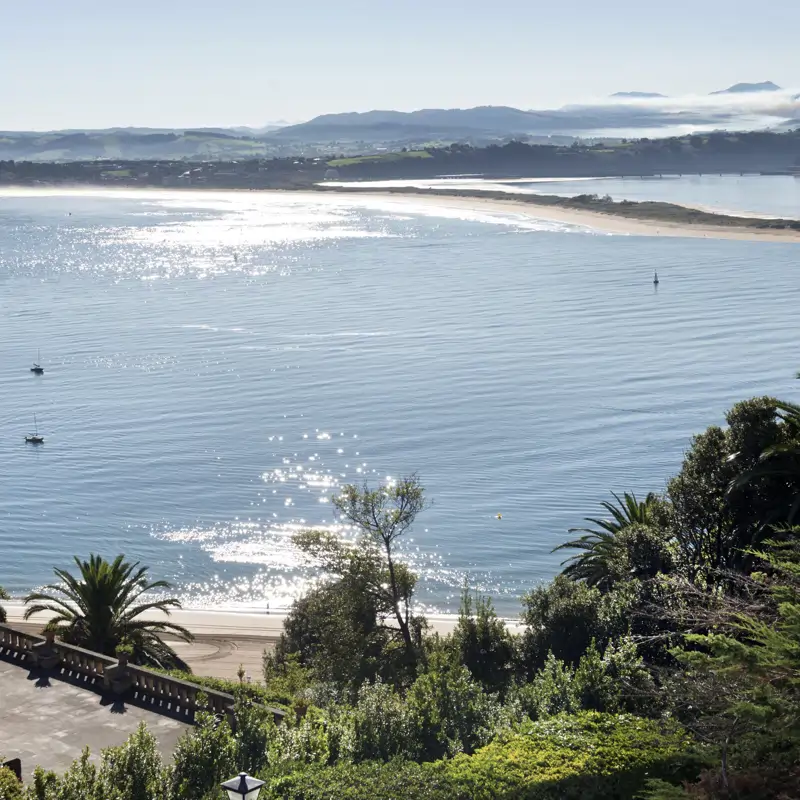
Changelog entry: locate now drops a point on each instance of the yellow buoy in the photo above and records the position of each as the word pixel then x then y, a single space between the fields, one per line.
pixel 499 516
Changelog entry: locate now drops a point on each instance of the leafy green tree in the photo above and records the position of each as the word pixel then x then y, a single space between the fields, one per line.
pixel 564 617
pixel 299 742
pixel 80 782
pixel 204 757
pixel 43 786
pixel 382 516
pixel 605 554
pixel 107 605
pixel 134 771
pixel 550 692
pixel 718 519
pixel 10 787
pixel 255 725
pixel 374 582
pixel 448 712
pixel 779 461
pixel 616 682
pixel 337 630
pixel 744 684
pixel 380 724
pixel 3 596
pixel 483 644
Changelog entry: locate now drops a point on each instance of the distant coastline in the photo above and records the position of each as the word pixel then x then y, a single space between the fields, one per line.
pixel 604 214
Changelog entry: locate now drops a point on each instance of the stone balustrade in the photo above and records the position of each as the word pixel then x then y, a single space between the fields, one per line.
pixel 16 641
pixel 80 661
pixel 178 696
pixel 159 692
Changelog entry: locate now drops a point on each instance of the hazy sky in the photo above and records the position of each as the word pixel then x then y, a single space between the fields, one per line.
pixel 188 63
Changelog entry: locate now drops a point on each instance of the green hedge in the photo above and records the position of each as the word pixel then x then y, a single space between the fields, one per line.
pixel 252 691
pixel 397 780
pixel 585 756
pixel 589 756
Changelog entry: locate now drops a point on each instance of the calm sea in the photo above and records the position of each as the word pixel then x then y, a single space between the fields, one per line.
pixel 217 364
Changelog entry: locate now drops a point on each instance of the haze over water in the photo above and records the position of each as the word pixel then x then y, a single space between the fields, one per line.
pixel 217 364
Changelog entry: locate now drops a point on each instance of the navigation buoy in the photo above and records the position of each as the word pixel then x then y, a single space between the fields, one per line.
pixel 499 516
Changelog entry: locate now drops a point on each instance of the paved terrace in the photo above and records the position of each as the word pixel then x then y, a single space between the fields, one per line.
pixel 48 721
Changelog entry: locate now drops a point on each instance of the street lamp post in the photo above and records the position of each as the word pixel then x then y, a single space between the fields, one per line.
pixel 243 787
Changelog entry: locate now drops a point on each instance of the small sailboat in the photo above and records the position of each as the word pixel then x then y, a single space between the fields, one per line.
pixel 655 278
pixel 37 367
pixel 35 437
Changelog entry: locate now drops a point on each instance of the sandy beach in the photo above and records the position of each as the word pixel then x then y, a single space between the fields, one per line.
pixel 224 639
pixel 602 223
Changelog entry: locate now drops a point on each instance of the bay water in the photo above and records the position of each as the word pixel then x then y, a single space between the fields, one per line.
pixel 217 364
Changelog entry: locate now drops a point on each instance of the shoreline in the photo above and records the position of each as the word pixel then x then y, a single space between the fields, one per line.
pixel 600 221
pixel 545 208
pixel 224 640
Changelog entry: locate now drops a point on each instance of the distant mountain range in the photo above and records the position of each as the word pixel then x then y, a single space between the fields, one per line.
pixel 749 88
pixel 737 88
pixel 632 113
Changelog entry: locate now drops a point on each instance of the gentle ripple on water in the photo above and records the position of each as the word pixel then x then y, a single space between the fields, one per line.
pixel 217 365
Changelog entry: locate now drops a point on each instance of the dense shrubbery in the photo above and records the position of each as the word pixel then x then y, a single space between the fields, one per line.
pixel 10 787
pixel 583 756
pixel 662 664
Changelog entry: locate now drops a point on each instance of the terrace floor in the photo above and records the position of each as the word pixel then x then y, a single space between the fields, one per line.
pixel 48 722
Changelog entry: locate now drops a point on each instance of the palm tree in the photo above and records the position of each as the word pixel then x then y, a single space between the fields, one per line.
pixel 106 606
pixel 780 461
pixel 3 596
pixel 601 548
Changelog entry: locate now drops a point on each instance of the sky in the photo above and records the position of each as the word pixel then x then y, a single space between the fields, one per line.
pixel 182 63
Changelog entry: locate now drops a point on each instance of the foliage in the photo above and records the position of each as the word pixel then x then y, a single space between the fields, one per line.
pixel 718 519
pixel 135 770
pixel 10 787
pixel 275 693
pixel 482 643
pixel 386 157
pixel 204 757
pixel 657 789
pixel 124 648
pixel 336 629
pixel 103 608
pixel 588 756
pixel 779 461
pixel 359 626
pixel 616 681
pixel 550 692
pixel 255 724
pixel 748 682
pixel 564 617
pixel 80 782
pixel 300 741
pixel 379 723
pixel 448 712
pixel 398 780
pixel 609 551
pixel 44 785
